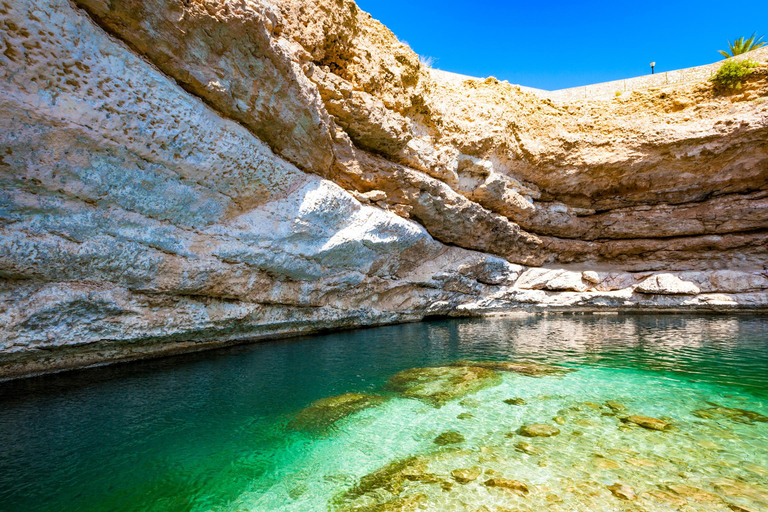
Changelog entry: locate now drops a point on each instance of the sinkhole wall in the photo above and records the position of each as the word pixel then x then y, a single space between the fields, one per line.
pixel 180 175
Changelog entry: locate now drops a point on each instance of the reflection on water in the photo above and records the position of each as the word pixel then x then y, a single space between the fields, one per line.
pixel 208 431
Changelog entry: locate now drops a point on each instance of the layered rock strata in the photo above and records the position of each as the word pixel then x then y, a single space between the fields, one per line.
pixel 184 174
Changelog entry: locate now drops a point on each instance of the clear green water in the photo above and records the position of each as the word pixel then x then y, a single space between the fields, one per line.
pixel 213 431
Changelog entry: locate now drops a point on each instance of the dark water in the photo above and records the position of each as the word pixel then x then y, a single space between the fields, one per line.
pixel 199 432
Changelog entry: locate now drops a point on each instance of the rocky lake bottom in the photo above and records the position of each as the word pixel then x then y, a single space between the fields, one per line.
pixel 531 413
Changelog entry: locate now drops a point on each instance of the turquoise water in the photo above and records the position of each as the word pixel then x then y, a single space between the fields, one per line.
pixel 224 431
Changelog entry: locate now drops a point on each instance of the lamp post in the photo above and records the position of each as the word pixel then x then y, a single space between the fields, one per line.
pixel 653 65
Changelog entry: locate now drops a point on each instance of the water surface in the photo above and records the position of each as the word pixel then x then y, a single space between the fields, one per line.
pixel 213 431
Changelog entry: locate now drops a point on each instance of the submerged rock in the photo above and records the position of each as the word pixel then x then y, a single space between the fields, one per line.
pixel 538 430
pixel 411 503
pixel 514 401
pixel 527 368
pixel 465 416
pixel 694 493
pixel 504 483
pixel 442 384
pixel 622 491
pixel 449 437
pixel 560 420
pixel 528 448
pixel 648 422
pixel 464 476
pixel 323 413
pixel 740 508
pixel 391 477
pixel 730 413
pixel 615 406
pixel 667 498
pixel 391 488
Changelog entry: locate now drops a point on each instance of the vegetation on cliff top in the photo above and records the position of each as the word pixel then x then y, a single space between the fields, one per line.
pixel 732 74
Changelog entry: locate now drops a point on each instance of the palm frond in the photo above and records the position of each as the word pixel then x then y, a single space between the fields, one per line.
pixel 741 45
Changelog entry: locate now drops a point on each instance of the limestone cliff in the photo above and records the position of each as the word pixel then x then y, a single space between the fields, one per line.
pixel 179 174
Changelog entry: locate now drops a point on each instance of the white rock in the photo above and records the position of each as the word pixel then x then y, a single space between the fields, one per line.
pixel 667 284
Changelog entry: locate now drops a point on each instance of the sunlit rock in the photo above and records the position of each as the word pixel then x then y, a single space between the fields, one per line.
pixel 323 413
pixel 439 385
pixel 647 422
pixel 527 368
pixel 449 437
pixel 464 476
pixel 730 413
pixel 622 491
pixel 511 485
pixel 538 430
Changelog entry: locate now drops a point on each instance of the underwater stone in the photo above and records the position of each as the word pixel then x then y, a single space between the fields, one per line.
pixel 442 384
pixel 449 437
pixel 622 491
pixel 464 476
pixel 514 401
pixel 323 413
pixel 465 416
pixel 615 406
pixel 504 483
pixel 386 481
pixel 641 463
pixel 733 414
pixel 403 504
pixel 606 463
pixel 298 491
pixel 694 493
pixel 664 497
pixel 648 422
pixel 740 508
pixel 560 420
pixel 538 430
pixel 739 489
pixel 527 368
pixel 528 448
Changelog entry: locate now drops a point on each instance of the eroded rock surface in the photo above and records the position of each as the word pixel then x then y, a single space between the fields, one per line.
pixel 323 413
pixel 183 174
pixel 441 384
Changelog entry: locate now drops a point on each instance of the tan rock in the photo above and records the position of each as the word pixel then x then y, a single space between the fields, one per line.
pixel 622 491
pixel 538 430
pixel 695 494
pixel 647 422
pixel 464 476
pixel 504 483
pixel 667 284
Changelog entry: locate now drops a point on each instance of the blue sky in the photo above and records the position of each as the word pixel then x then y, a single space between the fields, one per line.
pixel 554 44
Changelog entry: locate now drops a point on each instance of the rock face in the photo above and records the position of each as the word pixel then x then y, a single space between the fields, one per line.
pixel 184 174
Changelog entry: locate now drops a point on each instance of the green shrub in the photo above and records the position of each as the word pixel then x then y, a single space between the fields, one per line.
pixel 732 74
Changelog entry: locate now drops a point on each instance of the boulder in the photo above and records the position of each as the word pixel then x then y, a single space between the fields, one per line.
pixel 538 430
pixel 647 422
pixel 442 384
pixel 667 284
pixel 511 485
pixel 323 413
